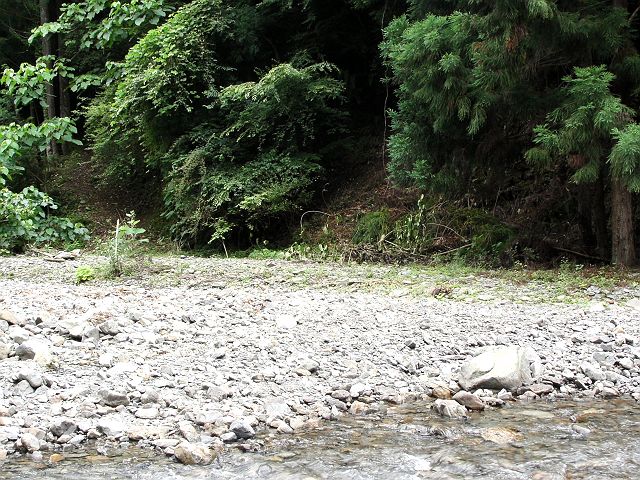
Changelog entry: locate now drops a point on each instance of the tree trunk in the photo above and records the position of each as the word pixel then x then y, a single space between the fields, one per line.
pixel 47 49
pixel 623 244
pixel 622 239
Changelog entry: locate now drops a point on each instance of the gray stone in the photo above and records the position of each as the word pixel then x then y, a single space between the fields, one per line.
pixel 23 387
pixel 111 427
pixel 150 396
pixel 341 395
pixel 449 408
pixel 507 367
pixel 277 410
pixel 29 442
pixel 34 379
pixel 35 350
pixel 147 412
pixel 18 335
pixel 592 371
pixel 63 426
pixel 113 398
pixel 625 363
pixel 541 388
pixel 189 432
pixel 228 437
pixel 242 429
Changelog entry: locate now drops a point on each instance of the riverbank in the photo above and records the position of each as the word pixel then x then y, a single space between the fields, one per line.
pixel 211 351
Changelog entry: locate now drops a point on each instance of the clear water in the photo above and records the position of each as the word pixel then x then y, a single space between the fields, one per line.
pixel 524 441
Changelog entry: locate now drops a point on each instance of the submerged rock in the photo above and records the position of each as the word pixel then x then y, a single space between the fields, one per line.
pixel 507 367
pixel 500 435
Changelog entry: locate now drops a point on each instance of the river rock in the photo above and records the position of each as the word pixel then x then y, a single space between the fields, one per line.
pixel 147 412
pixel 35 350
pixel 189 432
pixel 11 318
pixel 4 351
pixel 449 408
pixel 242 429
pixel 34 379
pixel 592 371
pixel 499 367
pixel 469 400
pixel 111 427
pixel 193 454
pixel 29 442
pixel 113 398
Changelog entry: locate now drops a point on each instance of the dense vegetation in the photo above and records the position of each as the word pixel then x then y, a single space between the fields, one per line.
pixel 513 121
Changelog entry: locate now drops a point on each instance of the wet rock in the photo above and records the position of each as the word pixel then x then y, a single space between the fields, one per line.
pixel 449 408
pixel 193 454
pixel 469 400
pixel 507 367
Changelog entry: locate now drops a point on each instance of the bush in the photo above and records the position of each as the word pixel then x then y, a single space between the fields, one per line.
pixel 435 228
pixel 25 219
pixel 372 227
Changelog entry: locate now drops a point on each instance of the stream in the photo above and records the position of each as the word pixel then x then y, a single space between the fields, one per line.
pixel 539 440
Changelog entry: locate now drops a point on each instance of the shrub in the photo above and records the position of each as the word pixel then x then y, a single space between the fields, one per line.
pixel 25 219
pixel 85 273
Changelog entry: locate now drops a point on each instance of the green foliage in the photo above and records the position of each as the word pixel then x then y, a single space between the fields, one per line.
pixel 103 23
pixel 15 139
pixel 625 155
pixel 28 83
pixel 25 219
pixel 471 75
pixel 372 227
pixel 583 127
pixel 85 273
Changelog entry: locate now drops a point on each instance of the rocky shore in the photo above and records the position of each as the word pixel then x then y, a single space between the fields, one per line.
pixel 203 353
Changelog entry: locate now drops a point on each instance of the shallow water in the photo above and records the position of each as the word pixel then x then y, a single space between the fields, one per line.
pixel 523 441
